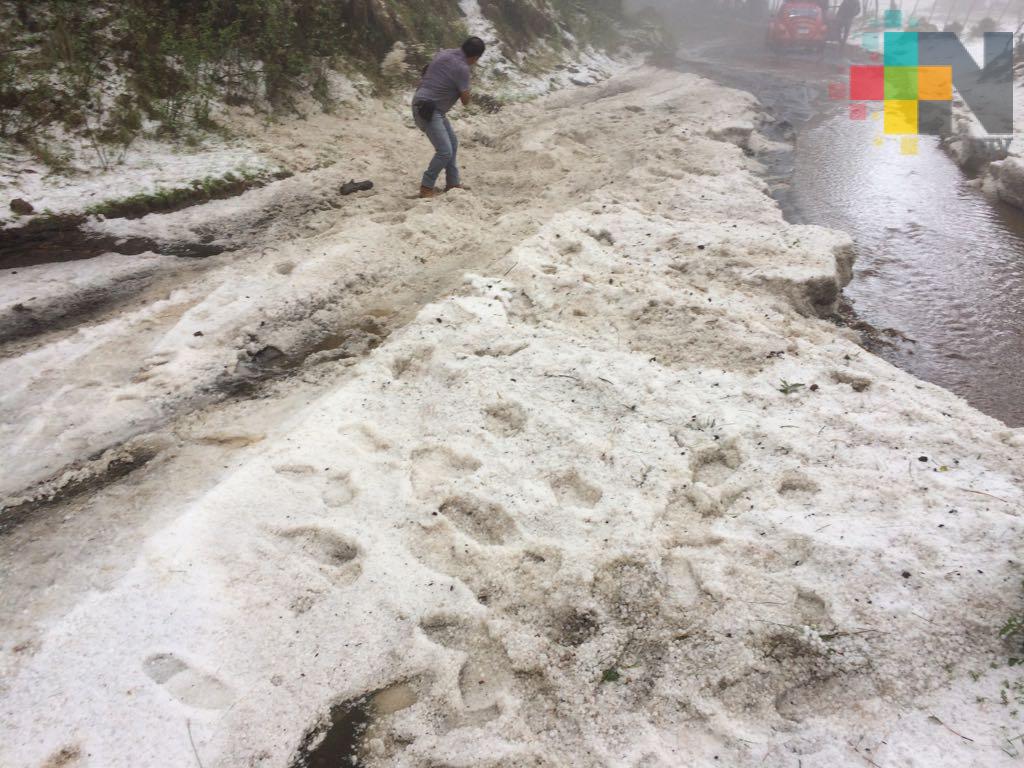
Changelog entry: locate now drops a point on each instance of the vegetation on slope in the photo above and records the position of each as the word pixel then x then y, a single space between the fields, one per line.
pixel 105 71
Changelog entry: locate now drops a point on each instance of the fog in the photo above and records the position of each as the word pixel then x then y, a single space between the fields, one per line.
pixel 689 18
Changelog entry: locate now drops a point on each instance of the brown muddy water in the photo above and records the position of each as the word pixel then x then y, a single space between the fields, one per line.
pixel 339 740
pixel 939 264
pixel 936 259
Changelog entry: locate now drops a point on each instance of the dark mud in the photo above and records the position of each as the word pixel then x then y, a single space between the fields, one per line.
pixel 873 339
pixel 355 340
pixel 109 471
pixel 339 740
pixel 31 317
pixel 55 239
pixel 254 376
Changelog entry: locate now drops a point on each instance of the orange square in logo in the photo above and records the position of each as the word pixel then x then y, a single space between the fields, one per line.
pixel 935 83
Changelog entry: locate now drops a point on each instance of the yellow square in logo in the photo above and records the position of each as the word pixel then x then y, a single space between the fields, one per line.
pixel 900 116
pixel 935 83
pixel 908 145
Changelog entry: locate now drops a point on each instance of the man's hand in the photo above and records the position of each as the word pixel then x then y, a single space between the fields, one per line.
pixel 466 97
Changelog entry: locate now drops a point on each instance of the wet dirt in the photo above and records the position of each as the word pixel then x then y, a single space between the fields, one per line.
pixel 353 340
pixel 339 741
pixel 54 239
pixel 120 466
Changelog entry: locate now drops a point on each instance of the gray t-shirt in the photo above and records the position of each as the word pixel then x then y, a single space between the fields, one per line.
pixel 445 78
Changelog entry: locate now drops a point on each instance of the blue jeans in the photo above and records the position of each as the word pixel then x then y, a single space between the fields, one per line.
pixel 446 147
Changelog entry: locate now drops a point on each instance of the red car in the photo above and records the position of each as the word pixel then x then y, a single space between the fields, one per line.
pixel 798 24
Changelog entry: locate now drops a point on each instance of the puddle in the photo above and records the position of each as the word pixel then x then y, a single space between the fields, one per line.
pixel 340 741
pixel 356 341
pixel 936 260
pixel 56 239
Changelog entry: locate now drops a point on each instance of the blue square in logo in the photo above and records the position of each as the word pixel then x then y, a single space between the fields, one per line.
pixel 893 18
pixel 871 42
pixel 901 49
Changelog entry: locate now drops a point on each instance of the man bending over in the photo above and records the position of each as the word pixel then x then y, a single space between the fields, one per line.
pixel 445 81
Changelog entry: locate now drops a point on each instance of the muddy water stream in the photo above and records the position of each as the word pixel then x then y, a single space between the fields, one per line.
pixel 937 261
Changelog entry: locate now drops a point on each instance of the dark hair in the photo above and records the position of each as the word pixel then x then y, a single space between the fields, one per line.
pixel 473 48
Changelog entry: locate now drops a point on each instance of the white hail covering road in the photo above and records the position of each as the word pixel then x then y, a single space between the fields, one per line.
pixel 561 514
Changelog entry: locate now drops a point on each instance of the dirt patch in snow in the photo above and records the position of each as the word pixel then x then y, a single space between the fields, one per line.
pixel 55 239
pixel 113 465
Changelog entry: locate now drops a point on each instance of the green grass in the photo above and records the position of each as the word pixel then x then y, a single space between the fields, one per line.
pixel 1013 632
pixel 174 198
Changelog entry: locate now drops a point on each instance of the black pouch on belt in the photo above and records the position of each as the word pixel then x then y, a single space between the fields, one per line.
pixel 426 109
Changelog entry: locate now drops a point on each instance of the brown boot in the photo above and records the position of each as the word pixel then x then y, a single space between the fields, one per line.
pixel 426 192
pixel 454 186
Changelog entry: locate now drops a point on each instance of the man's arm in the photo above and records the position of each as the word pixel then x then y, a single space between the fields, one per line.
pixel 462 80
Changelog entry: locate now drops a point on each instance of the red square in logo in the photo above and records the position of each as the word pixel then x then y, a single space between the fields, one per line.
pixel 859 111
pixel 836 91
pixel 867 83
